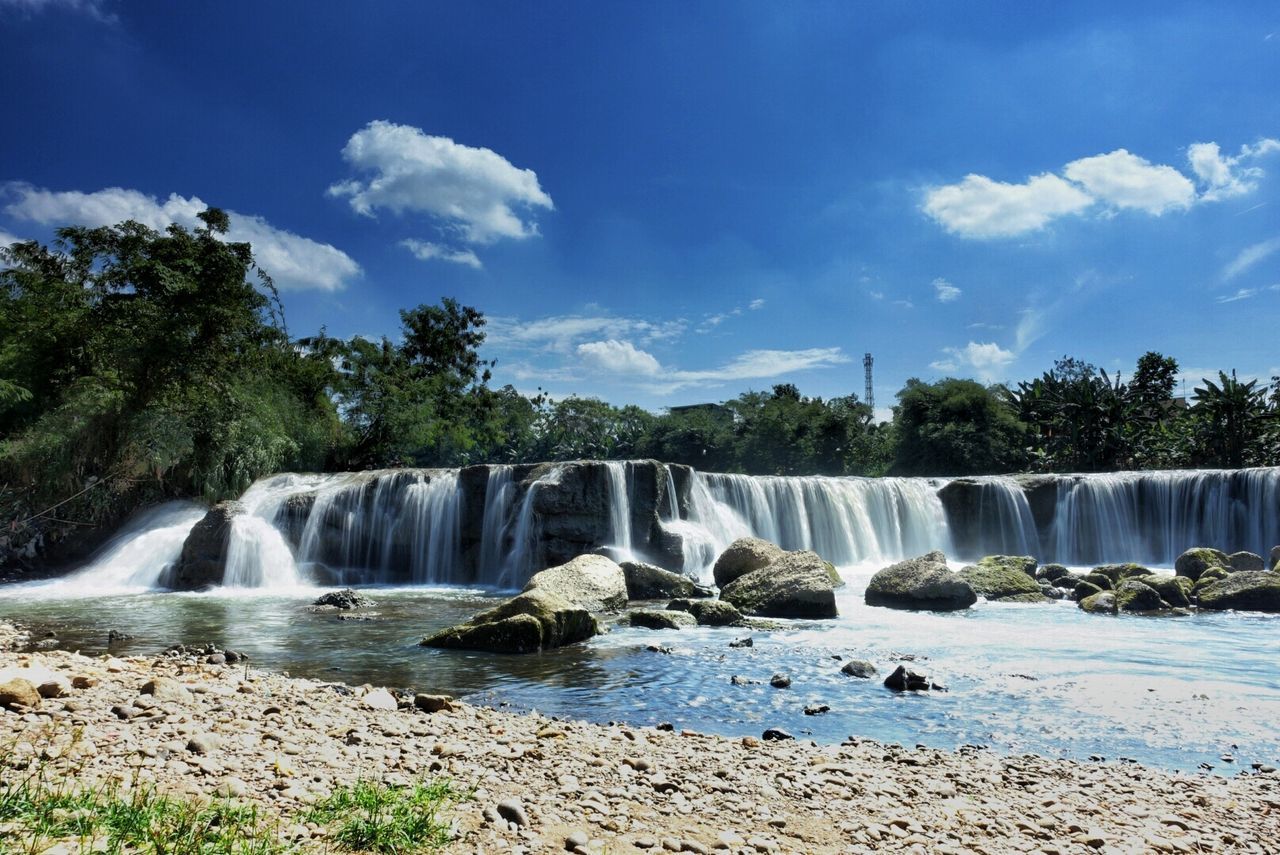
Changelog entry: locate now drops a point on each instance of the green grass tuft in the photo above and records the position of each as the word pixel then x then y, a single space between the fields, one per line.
pixel 387 820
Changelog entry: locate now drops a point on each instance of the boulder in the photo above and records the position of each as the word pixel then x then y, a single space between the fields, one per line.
pixel 166 690
pixel 1083 590
pixel 714 613
pixel 902 680
pixel 1134 596
pixel 19 693
pixel 649 582
pixel 1245 591
pixel 533 621
pixel 343 600
pixel 656 619
pixel 744 555
pixel 1119 572
pixel 920 583
pixel 1174 590
pixel 203 559
pixel 1024 564
pixel 1051 572
pixel 796 585
pixel 1246 561
pixel 859 668
pixel 591 582
pixel 1004 577
pixel 1103 602
pixel 1194 562
pixel 1275 557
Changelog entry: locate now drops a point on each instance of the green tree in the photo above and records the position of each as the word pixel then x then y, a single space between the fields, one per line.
pixel 1232 421
pixel 955 427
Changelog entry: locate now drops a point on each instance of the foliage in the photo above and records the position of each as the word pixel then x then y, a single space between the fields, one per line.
pixel 389 820
pixel 955 427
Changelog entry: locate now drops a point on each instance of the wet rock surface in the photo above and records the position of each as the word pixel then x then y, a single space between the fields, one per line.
pixel 920 583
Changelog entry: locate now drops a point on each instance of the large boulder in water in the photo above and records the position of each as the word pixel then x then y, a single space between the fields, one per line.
pixel 744 555
pixel 1244 591
pixel 1005 577
pixel 533 621
pixel 920 583
pixel 1246 561
pixel 796 585
pixel 592 582
pixel 1275 557
pixel 203 560
pixel 1174 590
pixel 1135 596
pixel 647 582
pixel 1195 561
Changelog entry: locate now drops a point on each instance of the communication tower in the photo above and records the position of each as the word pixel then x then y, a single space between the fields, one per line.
pixel 869 398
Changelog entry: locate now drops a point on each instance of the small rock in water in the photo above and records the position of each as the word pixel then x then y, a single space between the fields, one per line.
pixel 816 709
pixel 666 725
pixel 775 734
pixel 742 642
pixel 859 668
pixel 902 680
pixel 743 681
pixel 658 648
pixel 344 599
pixel 780 681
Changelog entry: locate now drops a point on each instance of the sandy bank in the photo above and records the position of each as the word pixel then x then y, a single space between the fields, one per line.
pixel 282 742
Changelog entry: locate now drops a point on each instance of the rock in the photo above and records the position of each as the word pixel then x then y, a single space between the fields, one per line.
pixel 1103 602
pixel 742 642
pixel 714 613
pixel 590 582
pixel 1101 580
pixel 380 699
pixel 796 585
pixel 533 621
pixel 1275 557
pixel 433 703
pixel 737 680
pixel 655 619
pixel 920 583
pixel 1134 596
pixel 166 689
pixel 902 680
pixel 1051 572
pixel 859 668
pixel 648 582
pixel 816 709
pixel 776 734
pixel 1052 592
pixel 1083 590
pixel 513 811
pixel 19 692
pixel 744 555
pixel 1119 572
pixel 1244 591
pixel 1194 562
pixel 1002 577
pixel 1246 562
pixel 345 599
pixel 203 560
pixel 780 681
pixel 203 743
pixel 1174 590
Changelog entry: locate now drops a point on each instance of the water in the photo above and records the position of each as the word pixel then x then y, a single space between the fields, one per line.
pixel 1049 679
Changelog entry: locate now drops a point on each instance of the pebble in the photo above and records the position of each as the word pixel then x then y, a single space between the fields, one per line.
pixel 780 681
pixel 512 810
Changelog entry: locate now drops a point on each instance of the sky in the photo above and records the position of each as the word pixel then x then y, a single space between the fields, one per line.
pixel 667 203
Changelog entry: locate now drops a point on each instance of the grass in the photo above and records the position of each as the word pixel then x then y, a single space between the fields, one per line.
pixel 387 820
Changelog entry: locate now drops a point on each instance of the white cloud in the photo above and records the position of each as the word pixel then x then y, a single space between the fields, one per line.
pixel 294 262
pixel 906 304
pixel 1250 256
pixel 1242 294
pixel 980 325
pixel 755 365
pixel 6 238
pixel 876 295
pixel 561 334
pixel 987 359
pixel 92 8
pixel 425 251
pixel 1030 328
pixel 473 194
pixel 756 304
pixel 978 207
pixel 1225 177
pixel 944 365
pixel 1124 180
pixel 945 291
pixel 619 357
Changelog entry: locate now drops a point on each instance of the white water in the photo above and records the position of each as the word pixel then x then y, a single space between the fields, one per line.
pixel 258 556
pixel 499 494
pixel 619 510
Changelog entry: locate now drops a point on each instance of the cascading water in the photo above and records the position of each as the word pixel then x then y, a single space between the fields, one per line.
pixel 1001 524
pixel 499 494
pixel 136 558
pixel 524 541
pixel 258 556
pixel 619 509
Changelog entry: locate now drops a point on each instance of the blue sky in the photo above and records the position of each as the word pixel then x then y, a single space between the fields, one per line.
pixel 665 203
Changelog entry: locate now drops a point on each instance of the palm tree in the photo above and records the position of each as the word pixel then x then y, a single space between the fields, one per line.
pixel 1233 419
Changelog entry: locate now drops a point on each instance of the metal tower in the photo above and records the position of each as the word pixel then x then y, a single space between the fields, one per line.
pixel 869 398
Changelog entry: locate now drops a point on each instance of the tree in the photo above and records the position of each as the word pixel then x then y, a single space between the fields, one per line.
pixel 1232 421
pixel 955 427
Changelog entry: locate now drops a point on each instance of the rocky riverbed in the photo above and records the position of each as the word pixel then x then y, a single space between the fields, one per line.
pixel 205 728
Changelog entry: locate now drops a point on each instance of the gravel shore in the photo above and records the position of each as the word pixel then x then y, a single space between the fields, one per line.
pixel 209 729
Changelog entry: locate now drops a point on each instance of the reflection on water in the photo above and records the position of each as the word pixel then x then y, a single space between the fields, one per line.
pixel 1172 692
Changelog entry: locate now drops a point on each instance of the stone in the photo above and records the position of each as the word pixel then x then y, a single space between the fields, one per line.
pixel 780 681
pixel 433 703
pixel 1103 602
pixel 1051 572
pixel 904 680
pixel 796 585
pixel 166 689
pixel 1119 572
pixel 1246 562
pixel 1194 562
pixel 748 641
pixel 1002 577
pixel 380 699
pixel 920 583
pixel 816 709
pixel 1083 590
pixel 649 582
pixel 203 743
pixel 859 668
pixel 1174 590
pixel 203 560
pixel 1275 558
pixel 1134 596
pixel 1244 591
pixel 590 582
pixel 344 600
pixel 533 621
pixel 714 613
pixel 776 734
pixel 657 619
pixel 512 810
pixel 1101 580
pixel 745 555
pixel 19 692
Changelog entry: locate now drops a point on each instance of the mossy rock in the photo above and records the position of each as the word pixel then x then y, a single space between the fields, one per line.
pixel 1101 603
pixel 834 575
pixel 920 583
pixel 1003 578
pixel 1246 591
pixel 1134 596
pixel 1038 597
pixel 648 582
pixel 1051 572
pixel 1101 580
pixel 656 619
pixel 1194 562
pixel 797 585
pixel 533 621
pixel 1084 590
pixel 1024 564
pixel 1174 590
pixel 745 555
pixel 1246 561
pixel 1119 572
pixel 714 613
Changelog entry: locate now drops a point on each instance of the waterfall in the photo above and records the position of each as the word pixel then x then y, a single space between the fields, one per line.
pixel 524 542
pixel 137 557
pixel 258 556
pixel 619 509
pixel 1002 522
pixel 499 493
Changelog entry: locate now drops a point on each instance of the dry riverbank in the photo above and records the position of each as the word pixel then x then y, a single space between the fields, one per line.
pixel 205 730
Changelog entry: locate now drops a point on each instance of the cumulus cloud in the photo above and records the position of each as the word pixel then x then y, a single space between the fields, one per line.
pixel 426 251
pixel 1248 257
pixel 981 207
pixel 1124 180
pixel 474 195
pixel 619 357
pixel 945 291
pixel 987 359
pixel 293 261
